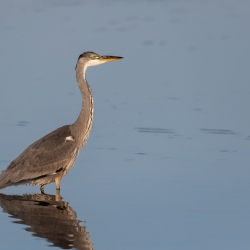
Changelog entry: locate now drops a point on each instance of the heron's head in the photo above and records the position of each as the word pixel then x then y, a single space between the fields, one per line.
pixel 92 59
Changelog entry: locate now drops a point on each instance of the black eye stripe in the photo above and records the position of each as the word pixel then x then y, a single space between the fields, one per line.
pixel 90 55
pixel 80 56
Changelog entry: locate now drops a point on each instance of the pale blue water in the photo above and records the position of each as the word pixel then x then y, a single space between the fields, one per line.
pixel 167 162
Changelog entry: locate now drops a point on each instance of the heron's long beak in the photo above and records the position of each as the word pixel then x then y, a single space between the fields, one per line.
pixel 109 58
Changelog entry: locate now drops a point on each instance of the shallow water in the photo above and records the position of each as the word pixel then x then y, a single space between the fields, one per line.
pixel 167 162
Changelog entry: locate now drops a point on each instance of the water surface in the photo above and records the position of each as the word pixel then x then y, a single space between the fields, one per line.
pixel 167 162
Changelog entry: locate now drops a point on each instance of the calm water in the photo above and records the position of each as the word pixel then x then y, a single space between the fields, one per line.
pixel 167 162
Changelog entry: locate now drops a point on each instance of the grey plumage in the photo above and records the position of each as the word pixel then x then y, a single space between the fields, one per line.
pixel 50 158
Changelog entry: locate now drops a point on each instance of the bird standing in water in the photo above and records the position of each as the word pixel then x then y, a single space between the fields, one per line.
pixel 50 158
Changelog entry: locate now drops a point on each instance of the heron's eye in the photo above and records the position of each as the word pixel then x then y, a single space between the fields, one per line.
pixel 93 57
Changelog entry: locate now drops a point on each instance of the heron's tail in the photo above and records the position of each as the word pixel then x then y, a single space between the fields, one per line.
pixel 4 179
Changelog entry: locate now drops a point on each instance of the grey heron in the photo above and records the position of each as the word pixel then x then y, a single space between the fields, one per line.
pixel 50 158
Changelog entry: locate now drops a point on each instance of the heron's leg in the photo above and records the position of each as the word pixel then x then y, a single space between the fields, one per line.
pixel 57 180
pixel 42 189
pixel 58 195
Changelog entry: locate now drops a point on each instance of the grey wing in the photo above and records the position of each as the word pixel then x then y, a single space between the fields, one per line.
pixel 46 156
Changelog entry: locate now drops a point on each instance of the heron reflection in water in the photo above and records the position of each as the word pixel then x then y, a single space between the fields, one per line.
pixel 48 218
pixel 50 158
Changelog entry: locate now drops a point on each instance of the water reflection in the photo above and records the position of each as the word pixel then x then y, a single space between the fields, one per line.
pixel 48 217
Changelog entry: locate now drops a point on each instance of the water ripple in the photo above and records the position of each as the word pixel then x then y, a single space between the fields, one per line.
pixel 218 131
pixel 155 130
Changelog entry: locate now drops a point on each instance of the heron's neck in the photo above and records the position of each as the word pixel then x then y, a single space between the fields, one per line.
pixel 82 127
